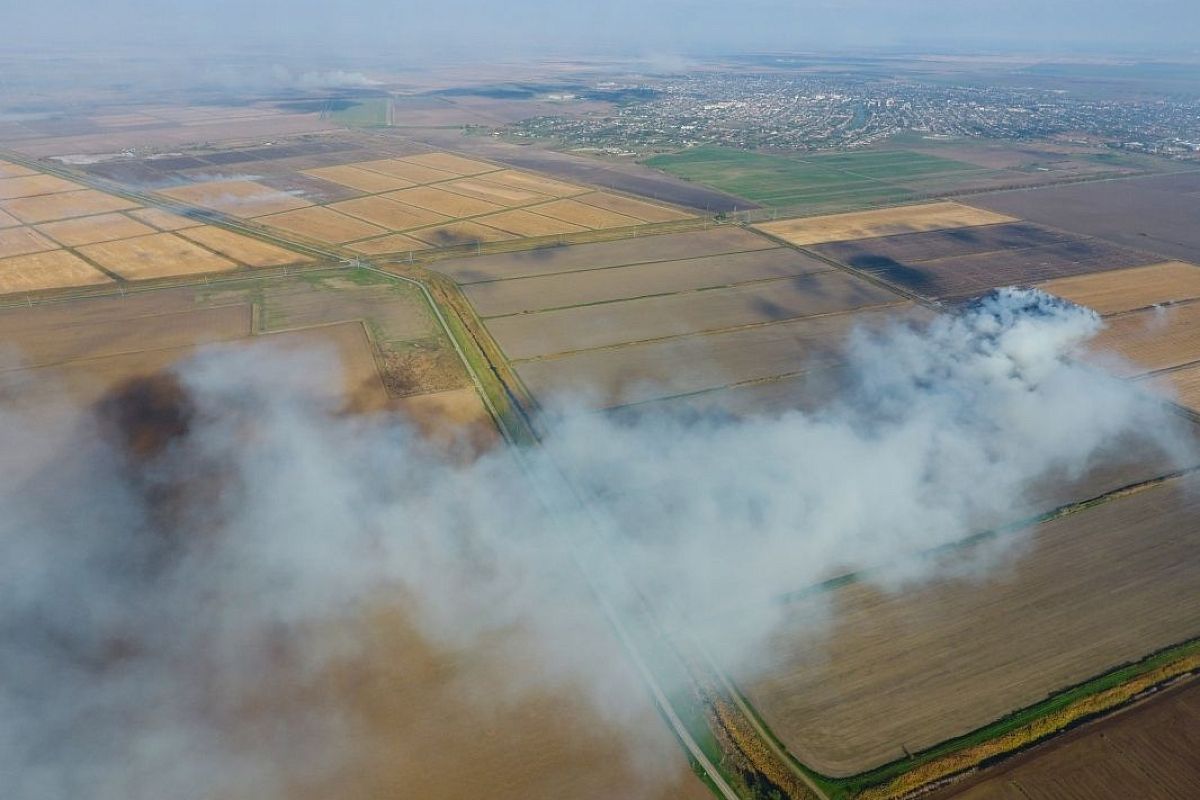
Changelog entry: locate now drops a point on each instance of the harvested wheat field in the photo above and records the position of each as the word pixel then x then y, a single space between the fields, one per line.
pixel 1150 340
pixel 1147 751
pixel 396 243
pixel 535 183
pixel 526 223
pixel 163 220
pixel 323 225
pixel 22 241
pixel 460 233
pixel 10 170
pixel 252 252
pixel 534 335
pixel 905 671
pixel 51 207
pixel 56 269
pixel 1129 289
pixel 237 198
pixel 443 202
pixel 501 195
pixel 1183 384
pixel 160 255
pixel 539 293
pixel 90 230
pixel 451 163
pixel 388 214
pixel 646 212
pixel 32 185
pixel 8 221
pixel 361 179
pixel 882 222
pixel 588 216
pixel 414 173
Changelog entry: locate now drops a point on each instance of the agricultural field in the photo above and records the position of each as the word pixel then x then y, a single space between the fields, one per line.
pixel 1130 289
pixel 882 222
pixel 1146 751
pixel 895 676
pixel 420 201
pixel 72 236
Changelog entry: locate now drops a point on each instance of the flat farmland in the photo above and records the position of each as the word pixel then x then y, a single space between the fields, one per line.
pixel 1146 751
pixel 7 220
pixel 538 293
pixel 252 252
pixel 159 255
pixel 545 333
pixel 414 173
pixel 322 224
pixel 535 183
pixel 574 258
pixel 396 243
pixel 22 241
pixel 460 233
pixel 932 245
pixel 442 202
pixel 653 370
pixel 501 195
pixel 10 170
pixel 163 220
pixel 36 184
pixel 387 214
pixel 1151 340
pixel 361 179
pixel 55 269
pixel 527 223
pixel 239 198
pixel 1130 289
pixel 90 230
pixel 881 222
pixel 639 209
pixel 1184 384
pixel 588 216
pixel 909 670
pixel 449 162
pixel 51 207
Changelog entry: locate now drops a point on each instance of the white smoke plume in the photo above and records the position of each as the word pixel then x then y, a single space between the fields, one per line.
pixel 150 587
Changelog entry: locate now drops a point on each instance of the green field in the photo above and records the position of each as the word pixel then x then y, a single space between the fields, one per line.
pixel 370 112
pixel 843 180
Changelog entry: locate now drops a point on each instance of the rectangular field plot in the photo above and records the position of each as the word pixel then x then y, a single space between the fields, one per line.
pixel 396 243
pixel 526 223
pixel 55 269
pixel 22 241
pixel 882 222
pixel 1150 340
pixel 501 195
pixel 1183 383
pixel 883 251
pixel 237 198
pixel 442 202
pixel 900 672
pixel 582 214
pixel 159 255
pixel 10 170
pixel 387 214
pixel 8 221
pixel 1129 289
pixel 413 173
pixel 639 209
pixel 361 179
pixel 535 183
pixel 460 233
pixel 163 220
pixel 640 372
pixel 519 295
pixel 251 252
pixel 323 224
pixel 451 163
pixel 51 207
pixel 32 185
pixel 555 259
pixel 524 336
pixel 89 230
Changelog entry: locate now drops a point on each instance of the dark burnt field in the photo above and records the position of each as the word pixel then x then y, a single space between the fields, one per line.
pixel 1156 213
pixel 954 264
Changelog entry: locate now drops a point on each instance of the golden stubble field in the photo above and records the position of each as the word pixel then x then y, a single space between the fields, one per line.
pixel 881 222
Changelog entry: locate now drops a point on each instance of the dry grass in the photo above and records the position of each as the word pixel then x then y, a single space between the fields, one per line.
pixel 21 241
pixel 1128 289
pixel 361 179
pixel 323 225
pixel 1150 340
pixel 252 252
pixel 8 220
pixel 535 183
pixel 451 163
pixel 163 220
pixel 10 170
pixel 159 255
pixel 396 243
pixel 457 233
pixel 414 173
pixel 588 216
pixel 526 223
pixel 33 185
pixel 646 212
pixel 881 222
pixel 89 230
pixel 501 195
pixel 51 207
pixel 388 214
pixel 443 202
pixel 56 269
pixel 237 198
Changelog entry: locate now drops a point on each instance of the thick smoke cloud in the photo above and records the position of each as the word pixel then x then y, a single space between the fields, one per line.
pixel 180 569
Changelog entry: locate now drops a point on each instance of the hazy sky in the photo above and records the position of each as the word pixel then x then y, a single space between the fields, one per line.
pixel 416 30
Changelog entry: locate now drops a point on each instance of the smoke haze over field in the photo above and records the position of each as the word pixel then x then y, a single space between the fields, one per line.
pixel 176 582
